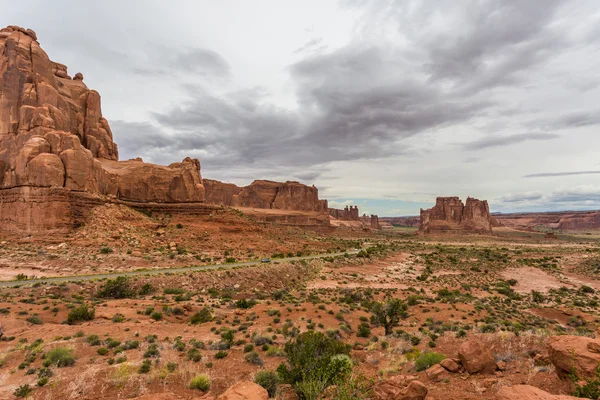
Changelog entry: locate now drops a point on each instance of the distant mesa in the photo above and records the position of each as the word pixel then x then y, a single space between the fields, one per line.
pixel 350 217
pixel 450 215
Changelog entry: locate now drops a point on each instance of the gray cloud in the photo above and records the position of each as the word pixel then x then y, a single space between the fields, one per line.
pixel 576 119
pixel 551 174
pixel 197 61
pixel 519 197
pixel 495 141
pixel 590 194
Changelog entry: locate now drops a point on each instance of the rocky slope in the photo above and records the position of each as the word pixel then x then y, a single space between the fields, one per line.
pixel 450 214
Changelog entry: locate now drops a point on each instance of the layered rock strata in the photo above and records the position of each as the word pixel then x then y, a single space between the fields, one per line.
pixel 450 214
pixel 264 194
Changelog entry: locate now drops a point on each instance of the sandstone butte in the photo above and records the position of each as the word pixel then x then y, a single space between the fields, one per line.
pixel 450 214
pixel 58 158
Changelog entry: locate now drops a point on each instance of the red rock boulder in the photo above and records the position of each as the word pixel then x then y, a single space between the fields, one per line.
pixel 576 354
pixel 476 358
pixel 244 390
pixel 526 392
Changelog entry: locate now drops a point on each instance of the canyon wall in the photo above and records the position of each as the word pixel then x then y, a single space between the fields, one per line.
pixel 450 214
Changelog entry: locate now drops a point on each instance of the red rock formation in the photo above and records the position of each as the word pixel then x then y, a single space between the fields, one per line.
pixel 52 134
pixel 347 214
pixel 449 214
pixel 266 195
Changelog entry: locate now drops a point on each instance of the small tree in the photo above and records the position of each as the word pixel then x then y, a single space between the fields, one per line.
pixel 388 314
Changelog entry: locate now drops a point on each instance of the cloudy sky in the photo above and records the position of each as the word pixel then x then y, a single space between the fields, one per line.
pixel 382 103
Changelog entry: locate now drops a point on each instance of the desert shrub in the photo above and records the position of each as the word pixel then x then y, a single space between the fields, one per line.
pixel 102 351
pixel 194 355
pixel 221 354
pixel 34 319
pixel 152 351
pixel 172 366
pixel 93 340
pixel 427 359
pixel 130 344
pixel 118 288
pixel 118 318
pixel 59 357
pixel 253 358
pixel 22 391
pixel 314 360
pixel 589 388
pixel 105 250
pixel 157 316
pixel 145 367
pixel 200 382
pixel 388 314
pixel 364 330
pixel 243 303
pixel 269 380
pixel 146 288
pixel 202 316
pixel 81 313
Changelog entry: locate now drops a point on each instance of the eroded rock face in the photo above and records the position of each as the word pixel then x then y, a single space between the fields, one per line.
pixel 266 195
pixel 53 134
pixel 574 354
pixel 526 392
pixel 450 214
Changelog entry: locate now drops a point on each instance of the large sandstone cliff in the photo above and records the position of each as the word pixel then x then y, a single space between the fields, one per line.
pixel 266 195
pixel 450 214
pixel 52 134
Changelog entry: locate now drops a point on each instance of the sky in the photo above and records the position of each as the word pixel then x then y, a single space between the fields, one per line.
pixel 383 103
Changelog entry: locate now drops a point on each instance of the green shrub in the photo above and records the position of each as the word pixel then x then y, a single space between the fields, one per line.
pixel 243 303
pixel 102 351
pixel 428 359
pixel 118 318
pixel 22 391
pixel 157 316
pixel 118 288
pixel 105 250
pixel 269 380
pixel 364 330
pixel 81 313
pixel 200 382
pixel 59 357
pixel 253 358
pixel 34 319
pixel 145 367
pixel 314 360
pixel 221 354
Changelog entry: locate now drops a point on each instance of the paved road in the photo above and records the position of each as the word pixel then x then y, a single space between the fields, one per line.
pixel 59 279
